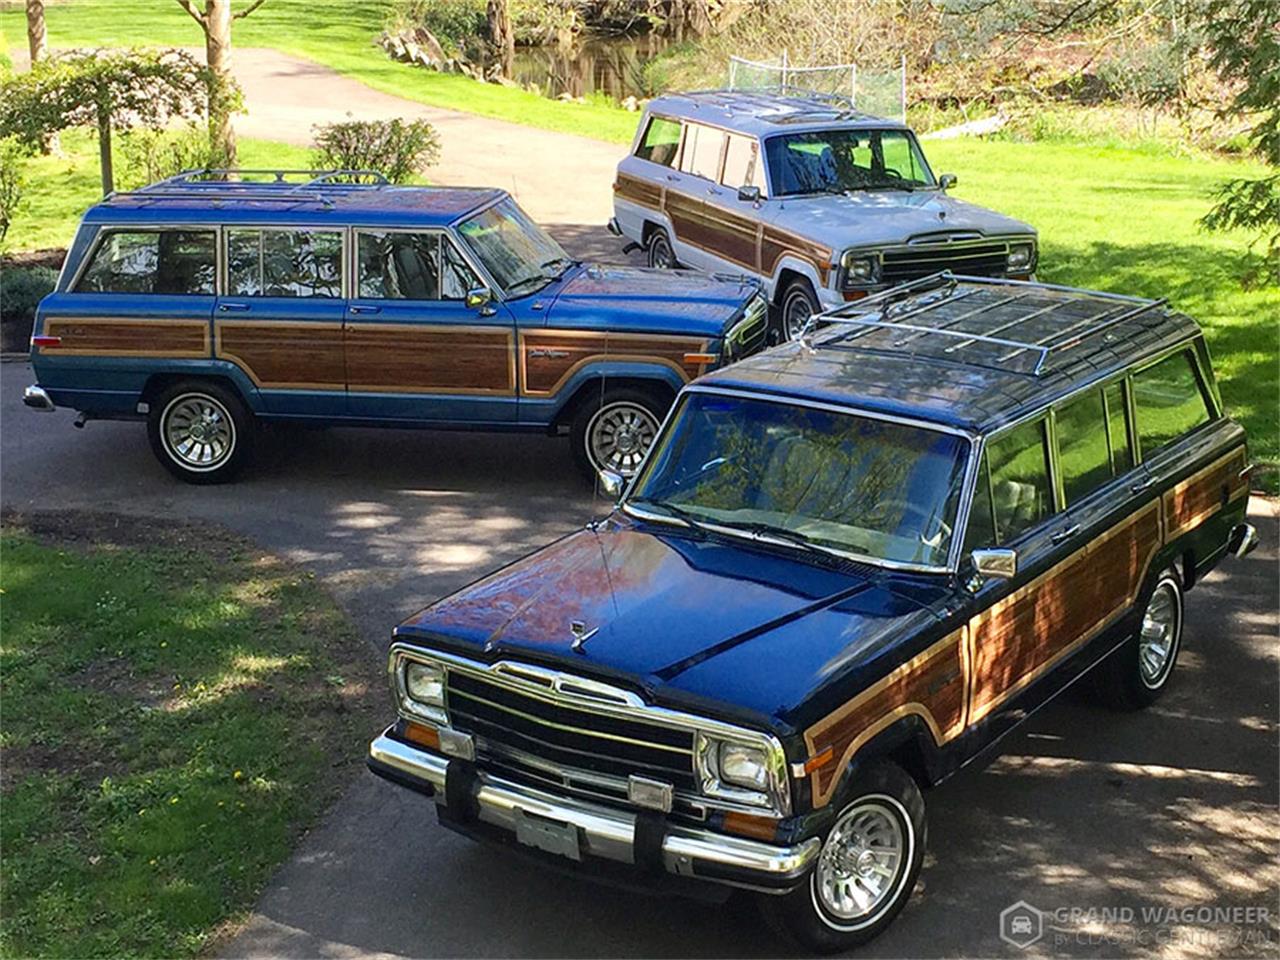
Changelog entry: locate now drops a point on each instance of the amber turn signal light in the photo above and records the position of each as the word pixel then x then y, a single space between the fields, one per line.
pixel 427 737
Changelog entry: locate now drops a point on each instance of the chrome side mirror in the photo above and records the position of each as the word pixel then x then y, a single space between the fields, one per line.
pixel 947 181
pixel 612 484
pixel 479 297
pixel 994 563
pixel 749 194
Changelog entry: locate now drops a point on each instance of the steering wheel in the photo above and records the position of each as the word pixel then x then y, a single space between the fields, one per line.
pixel 894 173
pixel 926 518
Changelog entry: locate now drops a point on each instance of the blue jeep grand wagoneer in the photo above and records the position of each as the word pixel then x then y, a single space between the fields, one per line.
pixel 205 304
pixel 847 567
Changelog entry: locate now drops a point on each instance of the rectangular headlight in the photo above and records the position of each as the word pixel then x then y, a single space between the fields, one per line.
pixel 752 774
pixel 1020 256
pixel 859 269
pixel 422 690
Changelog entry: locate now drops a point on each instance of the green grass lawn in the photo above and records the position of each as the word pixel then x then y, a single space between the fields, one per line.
pixel 178 707
pixel 339 35
pixel 60 189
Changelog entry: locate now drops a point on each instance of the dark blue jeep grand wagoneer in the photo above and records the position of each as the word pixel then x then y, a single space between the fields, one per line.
pixel 208 302
pixel 846 569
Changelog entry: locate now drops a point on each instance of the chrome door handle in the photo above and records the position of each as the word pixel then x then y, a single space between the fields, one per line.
pixel 233 307
pixel 672 177
pixel 363 309
pixel 1062 536
pixel 1142 485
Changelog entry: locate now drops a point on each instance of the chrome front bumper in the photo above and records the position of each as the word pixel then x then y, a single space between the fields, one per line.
pixel 36 398
pixel 603 832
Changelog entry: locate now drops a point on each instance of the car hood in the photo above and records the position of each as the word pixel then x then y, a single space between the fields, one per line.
pixel 707 619
pixel 642 300
pixel 871 217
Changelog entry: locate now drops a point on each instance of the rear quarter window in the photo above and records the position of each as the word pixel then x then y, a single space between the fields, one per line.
pixel 661 141
pixel 1169 401
pixel 174 262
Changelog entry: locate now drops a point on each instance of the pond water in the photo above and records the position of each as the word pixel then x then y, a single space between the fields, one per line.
pixel 609 65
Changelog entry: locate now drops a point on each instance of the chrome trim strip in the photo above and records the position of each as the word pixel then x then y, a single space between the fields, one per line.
pixel 604 832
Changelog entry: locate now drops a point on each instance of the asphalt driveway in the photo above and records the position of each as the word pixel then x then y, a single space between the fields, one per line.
pixel 1172 808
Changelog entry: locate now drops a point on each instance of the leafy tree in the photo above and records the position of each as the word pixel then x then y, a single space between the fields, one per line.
pixel 1244 43
pixel 224 99
pixel 396 148
pixel 110 90
pixel 13 181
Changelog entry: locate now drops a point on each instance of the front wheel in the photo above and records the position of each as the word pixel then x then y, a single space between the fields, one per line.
pixel 201 432
pixel 798 304
pixel 614 431
pixel 1138 671
pixel 866 871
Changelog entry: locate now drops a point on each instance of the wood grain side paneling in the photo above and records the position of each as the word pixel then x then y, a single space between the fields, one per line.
pixel 932 686
pixel 776 243
pixel 638 190
pixel 1026 633
pixel 1197 498
pixel 409 358
pixel 119 337
pixel 548 358
pixel 737 237
pixel 284 354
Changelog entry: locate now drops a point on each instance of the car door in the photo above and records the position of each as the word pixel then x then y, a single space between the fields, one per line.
pixel 143 294
pixel 1019 627
pixel 735 222
pixel 415 349
pixel 696 239
pixel 280 316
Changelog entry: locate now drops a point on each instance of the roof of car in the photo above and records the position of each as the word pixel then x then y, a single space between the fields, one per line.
pixel 762 112
pixel 204 196
pixel 962 352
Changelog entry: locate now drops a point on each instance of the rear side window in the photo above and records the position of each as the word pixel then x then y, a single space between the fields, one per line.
pixel 284 263
pixel 1169 401
pixel 742 163
pixel 152 261
pixel 661 141
pixel 1084 455
pixel 701 155
pixel 1018 468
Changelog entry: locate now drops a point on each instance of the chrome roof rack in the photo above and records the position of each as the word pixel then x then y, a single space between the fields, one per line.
pixel 241 183
pixel 968 319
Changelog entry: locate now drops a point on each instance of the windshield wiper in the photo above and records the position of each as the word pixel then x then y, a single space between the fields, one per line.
pixel 677 513
pixel 766 530
pixel 549 264
pixel 541 279
pixel 886 185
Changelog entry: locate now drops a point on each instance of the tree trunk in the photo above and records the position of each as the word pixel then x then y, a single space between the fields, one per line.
pixel 37 36
pixel 217 49
pixel 501 37
pixel 104 149
pixel 38 47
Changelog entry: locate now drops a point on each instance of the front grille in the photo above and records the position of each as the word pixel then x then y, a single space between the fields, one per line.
pixel 517 725
pixel 974 260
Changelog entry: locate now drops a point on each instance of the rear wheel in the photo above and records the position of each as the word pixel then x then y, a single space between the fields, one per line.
pixel 866 871
pixel 661 255
pixel 1138 672
pixel 798 304
pixel 614 431
pixel 201 432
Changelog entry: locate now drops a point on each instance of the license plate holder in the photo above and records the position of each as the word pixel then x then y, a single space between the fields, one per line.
pixel 550 836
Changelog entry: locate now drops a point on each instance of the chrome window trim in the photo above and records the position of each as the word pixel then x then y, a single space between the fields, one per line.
pixel 103 230
pixel 514 675
pixel 343 231
pixel 953 555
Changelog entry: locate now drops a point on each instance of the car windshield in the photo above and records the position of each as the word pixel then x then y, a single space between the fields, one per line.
pixel 812 478
pixel 833 161
pixel 519 255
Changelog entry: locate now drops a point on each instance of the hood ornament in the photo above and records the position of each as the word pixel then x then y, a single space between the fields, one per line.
pixel 580 634
pixel 942 214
